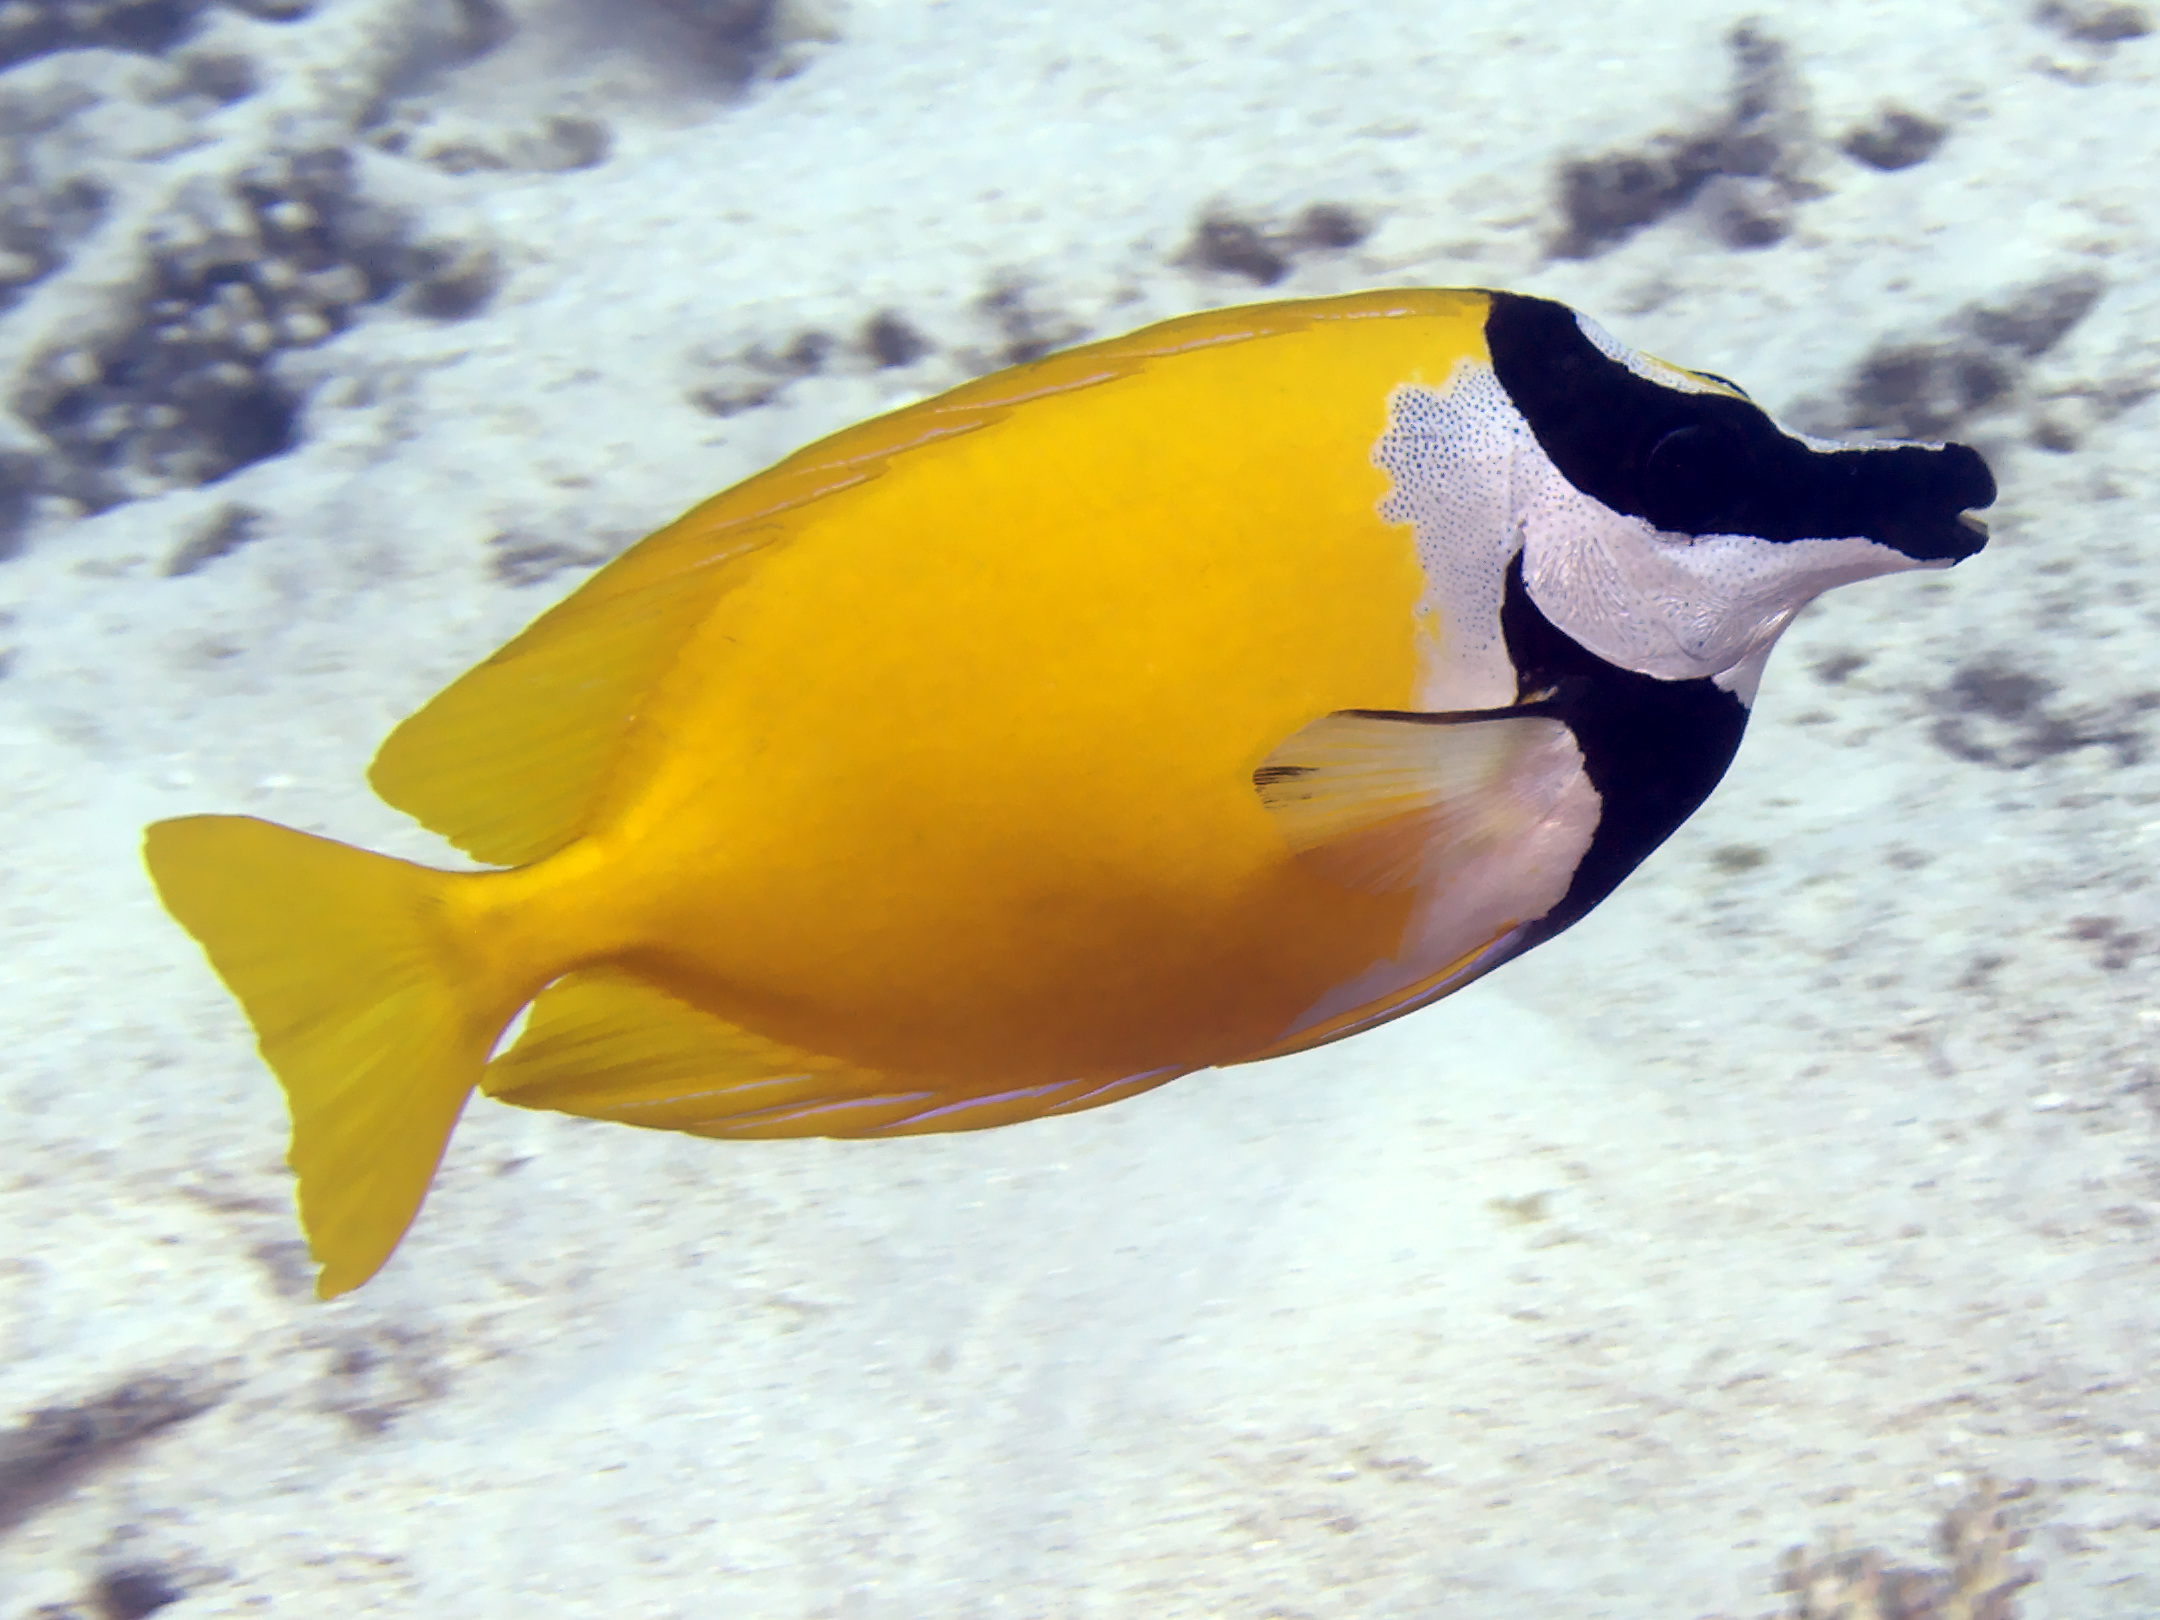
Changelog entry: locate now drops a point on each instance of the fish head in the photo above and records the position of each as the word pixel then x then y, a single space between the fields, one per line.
pixel 1671 527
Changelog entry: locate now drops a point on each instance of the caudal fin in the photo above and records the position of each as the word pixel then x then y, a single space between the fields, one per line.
pixel 363 1003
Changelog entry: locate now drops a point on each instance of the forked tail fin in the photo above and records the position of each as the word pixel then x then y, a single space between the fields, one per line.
pixel 364 1000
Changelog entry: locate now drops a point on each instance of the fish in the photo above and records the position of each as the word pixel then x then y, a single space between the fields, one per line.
pixel 1181 700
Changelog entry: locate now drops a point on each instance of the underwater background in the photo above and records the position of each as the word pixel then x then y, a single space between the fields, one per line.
pixel 1806 1188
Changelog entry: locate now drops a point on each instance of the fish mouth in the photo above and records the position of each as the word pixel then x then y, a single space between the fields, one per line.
pixel 1967 536
pixel 1945 544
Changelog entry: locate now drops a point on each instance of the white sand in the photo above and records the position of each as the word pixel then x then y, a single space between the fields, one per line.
pixel 1759 1205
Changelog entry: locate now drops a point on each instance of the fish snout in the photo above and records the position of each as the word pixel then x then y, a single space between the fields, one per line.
pixel 1938 524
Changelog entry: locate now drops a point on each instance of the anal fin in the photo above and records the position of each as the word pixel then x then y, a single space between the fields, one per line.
pixel 604 1044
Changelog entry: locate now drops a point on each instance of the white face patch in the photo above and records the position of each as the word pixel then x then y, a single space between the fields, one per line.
pixel 1452 455
pixel 1675 606
pixel 1477 488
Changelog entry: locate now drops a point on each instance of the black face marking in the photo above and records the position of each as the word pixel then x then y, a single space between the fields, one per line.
pixel 1653 749
pixel 1706 464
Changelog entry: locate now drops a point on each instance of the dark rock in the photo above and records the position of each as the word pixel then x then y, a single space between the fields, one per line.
pixel 1236 247
pixel 1897 139
pixel 2041 316
pixel 890 341
pixel 1605 199
pixel 134 1592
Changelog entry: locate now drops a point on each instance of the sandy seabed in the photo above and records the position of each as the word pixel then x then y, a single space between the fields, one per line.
pixel 1808 1183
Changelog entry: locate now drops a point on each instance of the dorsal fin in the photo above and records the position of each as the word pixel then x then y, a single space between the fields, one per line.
pixel 508 760
pixel 605 1045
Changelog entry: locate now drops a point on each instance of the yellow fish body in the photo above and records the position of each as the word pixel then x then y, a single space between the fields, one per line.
pixel 1175 701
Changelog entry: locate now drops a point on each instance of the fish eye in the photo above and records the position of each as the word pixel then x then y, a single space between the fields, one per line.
pixel 1691 477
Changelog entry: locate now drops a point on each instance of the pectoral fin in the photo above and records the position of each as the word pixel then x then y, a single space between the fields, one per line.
pixel 1381 800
